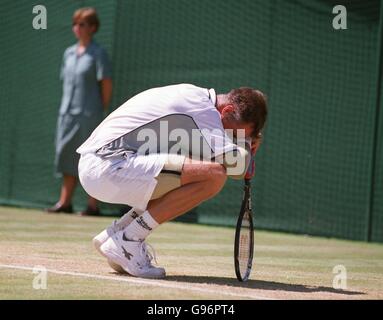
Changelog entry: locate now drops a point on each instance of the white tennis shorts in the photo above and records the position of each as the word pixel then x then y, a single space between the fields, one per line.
pixel 126 179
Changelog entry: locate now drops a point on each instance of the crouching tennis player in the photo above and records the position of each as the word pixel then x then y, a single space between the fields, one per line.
pixel 163 152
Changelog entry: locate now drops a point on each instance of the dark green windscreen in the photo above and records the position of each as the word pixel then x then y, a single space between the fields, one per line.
pixel 320 169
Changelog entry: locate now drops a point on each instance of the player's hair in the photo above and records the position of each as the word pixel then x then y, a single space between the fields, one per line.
pixel 89 15
pixel 250 107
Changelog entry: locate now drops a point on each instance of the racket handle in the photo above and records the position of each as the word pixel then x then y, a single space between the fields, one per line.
pixel 251 169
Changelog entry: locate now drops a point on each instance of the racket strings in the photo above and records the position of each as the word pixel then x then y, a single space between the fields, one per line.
pixel 244 253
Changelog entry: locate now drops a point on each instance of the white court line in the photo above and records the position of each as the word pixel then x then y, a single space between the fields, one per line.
pixel 156 283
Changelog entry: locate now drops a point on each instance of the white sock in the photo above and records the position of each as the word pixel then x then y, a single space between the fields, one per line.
pixel 127 218
pixel 141 227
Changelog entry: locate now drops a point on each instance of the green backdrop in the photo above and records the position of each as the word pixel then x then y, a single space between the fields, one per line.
pixel 320 169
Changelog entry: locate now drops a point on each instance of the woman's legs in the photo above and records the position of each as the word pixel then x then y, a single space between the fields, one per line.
pixel 67 189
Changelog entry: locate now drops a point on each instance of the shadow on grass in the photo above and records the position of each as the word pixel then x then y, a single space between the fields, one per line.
pixel 260 284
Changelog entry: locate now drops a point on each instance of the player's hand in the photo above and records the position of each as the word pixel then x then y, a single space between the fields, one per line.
pixel 256 143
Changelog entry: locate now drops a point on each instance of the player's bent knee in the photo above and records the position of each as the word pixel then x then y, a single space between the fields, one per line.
pixel 219 174
pixel 170 177
pixel 216 180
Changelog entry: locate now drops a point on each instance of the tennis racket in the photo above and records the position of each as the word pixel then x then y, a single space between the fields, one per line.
pixel 244 233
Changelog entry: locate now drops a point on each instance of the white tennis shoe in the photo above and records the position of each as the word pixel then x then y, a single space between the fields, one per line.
pixel 101 238
pixel 104 235
pixel 117 225
pixel 132 256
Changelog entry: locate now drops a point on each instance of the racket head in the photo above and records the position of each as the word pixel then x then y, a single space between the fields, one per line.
pixel 244 237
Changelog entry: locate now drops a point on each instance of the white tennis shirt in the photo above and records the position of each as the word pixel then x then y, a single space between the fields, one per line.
pixel 163 120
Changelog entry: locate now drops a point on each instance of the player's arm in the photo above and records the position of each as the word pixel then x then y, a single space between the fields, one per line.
pixel 244 155
pixel 236 160
pixel 255 144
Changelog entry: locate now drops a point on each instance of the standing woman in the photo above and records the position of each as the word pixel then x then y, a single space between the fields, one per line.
pixel 87 90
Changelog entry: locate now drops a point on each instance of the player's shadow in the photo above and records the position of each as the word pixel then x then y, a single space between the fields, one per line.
pixel 260 284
